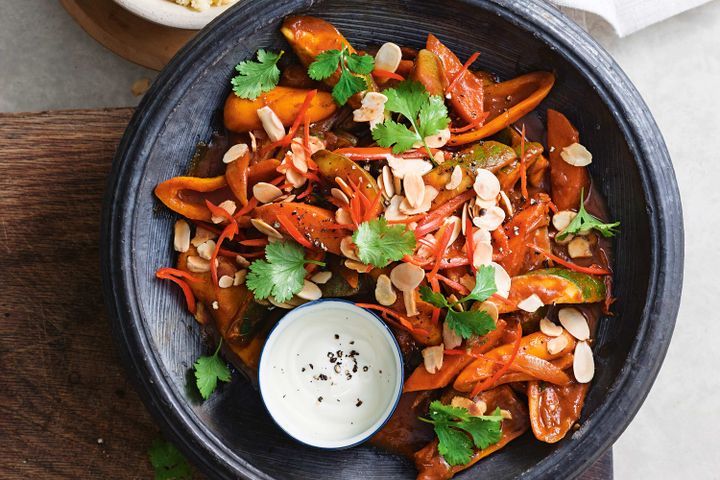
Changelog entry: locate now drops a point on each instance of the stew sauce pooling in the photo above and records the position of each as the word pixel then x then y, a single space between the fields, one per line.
pixel 422 189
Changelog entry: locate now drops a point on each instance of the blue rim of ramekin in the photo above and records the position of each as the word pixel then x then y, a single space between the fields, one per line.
pixel 401 373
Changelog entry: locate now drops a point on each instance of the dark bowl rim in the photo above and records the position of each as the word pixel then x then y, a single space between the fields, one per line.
pixel 643 137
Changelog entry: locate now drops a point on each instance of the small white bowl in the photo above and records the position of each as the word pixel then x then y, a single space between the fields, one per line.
pixel 167 12
pixel 331 374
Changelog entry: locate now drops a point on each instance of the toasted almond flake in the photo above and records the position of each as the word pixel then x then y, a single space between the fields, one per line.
pixel 253 141
pixel 506 414
pixel 235 152
pixel 579 247
pixel 433 358
pixel 557 344
pixel 490 308
pixel 574 322
pixel 467 281
pixel 490 219
pixel 202 235
pixel 381 187
pixel 453 221
pixel 481 236
pixel 315 144
pixel 562 219
pixel 197 265
pixel 266 192
pixel 439 157
pixel 502 280
pixel 439 139
pixel 583 363
pixel 388 57
pixel 286 306
pixel 384 292
pixel 487 185
pixel 549 328
pixel 299 156
pixel 530 304
pixel 271 123
pixel 576 155
pixel 482 254
pixel 481 204
pixel 242 261
pixel 414 189
pixel 388 181
pixel 392 211
pixel 264 228
pixel 339 195
pixel 216 305
pixel 455 178
pixel 343 186
pixel 310 291
pixel 430 194
pixel 567 239
pixel 348 248
pixel 506 204
pixel 296 179
pixel 226 281
pixel 229 206
pixel 358 266
pixel 205 250
pixel 239 278
pixel 181 240
pixel 406 276
pixel 463 218
pixel 402 166
pixel 475 409
pixel 343 217
pixel 451 339
pixel 322 278
pixel 372 108
pixel 288 199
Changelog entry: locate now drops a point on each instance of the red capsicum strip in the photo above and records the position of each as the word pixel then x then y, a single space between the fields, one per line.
pixel 293 231
pixel 484 385
pixel 577 268
pixel 470 243
pixel 462 71
pixel 172 274
pixel 380 73
pixel 406 324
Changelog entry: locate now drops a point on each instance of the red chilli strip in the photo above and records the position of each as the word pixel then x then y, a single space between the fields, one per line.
pixel 458 287
pixel 415 261
pixel 380 73
pixel 254 242
pixel 445 233
pixel 472 125
pixel 470 243
pixel 523 167
pixel 187 292
pixel 404 322
pixel 252 203
pixel 301 114
pixel 220 212
pixel 448 207
pixel 293 231
pixel 308 191
pixel 570 265
pixel 368 214
pixel 489 382
pixel 227 234
pixel 167 271
pixel 462 71
pixel 435 286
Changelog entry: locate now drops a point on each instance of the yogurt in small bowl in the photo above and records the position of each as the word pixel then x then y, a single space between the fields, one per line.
pixel 331 374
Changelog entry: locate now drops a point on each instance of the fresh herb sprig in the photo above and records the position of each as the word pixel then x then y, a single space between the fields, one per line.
pixel 255 78
pixel 282 272
pixel 379 243
pixel 584 222
pixel 458 431
pixel 351 66
pixel 427 115
pixel 208 371
pixel 472 322
pixel 168 462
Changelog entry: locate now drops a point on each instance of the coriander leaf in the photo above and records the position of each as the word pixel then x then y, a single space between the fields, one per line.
pixel 433 116
pixel 325 64
pixel 484 284
pixel 472 322
pixel 484 431
pixel 168 462
pixel 379 243
pixel 396 135
pixel 407 98
pixel 434 298
pixel 281 274
pixel 454 445
pixel 256 77
pixel 347 86
pixel 584 222
pixel 360 64
pixel 208 370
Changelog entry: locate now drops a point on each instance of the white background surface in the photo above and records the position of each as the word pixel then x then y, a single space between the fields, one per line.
pixel 47 62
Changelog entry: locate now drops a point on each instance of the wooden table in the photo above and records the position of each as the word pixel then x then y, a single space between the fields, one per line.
pixel 66 409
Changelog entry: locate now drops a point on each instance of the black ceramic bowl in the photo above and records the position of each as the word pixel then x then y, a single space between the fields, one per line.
pixel 230 435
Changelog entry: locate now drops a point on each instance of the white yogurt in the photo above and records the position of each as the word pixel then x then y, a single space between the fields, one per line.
pixel 330 374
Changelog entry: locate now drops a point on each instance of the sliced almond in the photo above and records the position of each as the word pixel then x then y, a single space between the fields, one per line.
pixel 264 228
pixel 392 212
pixel 288 199
pixel 406 276
pixel 266 192
pixel 414 188
pixel 358 266
pixel 384 292
pixel 295 178
pixel 388 181
pixel 476 409
pixel 506 204
pixel 343 217
pixel 299 156
pixel 566 239
pixel 226 281
pixel 451 339
pixel 286 306
pixel 242 261
pixel 549 328
pixel 388 57
pixel 322 278
pixel 463 218
pixel 315 144
pixel 487 185
pixel 348 248
pixel 574 322
pixel 197 265
pixel 235 152
pixel 253 141
pixel 439 157
pixel 181 240
pixel 239 278
pixel 530 304
pixel 482 254
pixel 433 358
pixel 310 291
pixel 229 206
pixel 430 194
pixel 206 249
pixel 467 281
pixel 502 280
pixel 455 178
pixel 576 155
pixel 339 195
pixel 271 123
pixel 490 308
pixel 506 414
pixel 453 221
pixel 490 219
pixel 583 363
pixel 372 108
pixel 557 345
pixel 402 166
pixel 562 219
pixel 216 305
pixel 579 247
pixel 344 186
pixel 202 235
pixel 481 236
pixel 438 139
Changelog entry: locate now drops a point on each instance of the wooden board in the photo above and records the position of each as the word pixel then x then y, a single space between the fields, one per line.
pixel 68 411
pixel 133 38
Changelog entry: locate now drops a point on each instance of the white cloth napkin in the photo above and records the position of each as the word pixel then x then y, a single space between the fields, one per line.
pixel 628 16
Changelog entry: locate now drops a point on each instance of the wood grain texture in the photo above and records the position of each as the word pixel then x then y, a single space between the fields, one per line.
pixel 62 387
